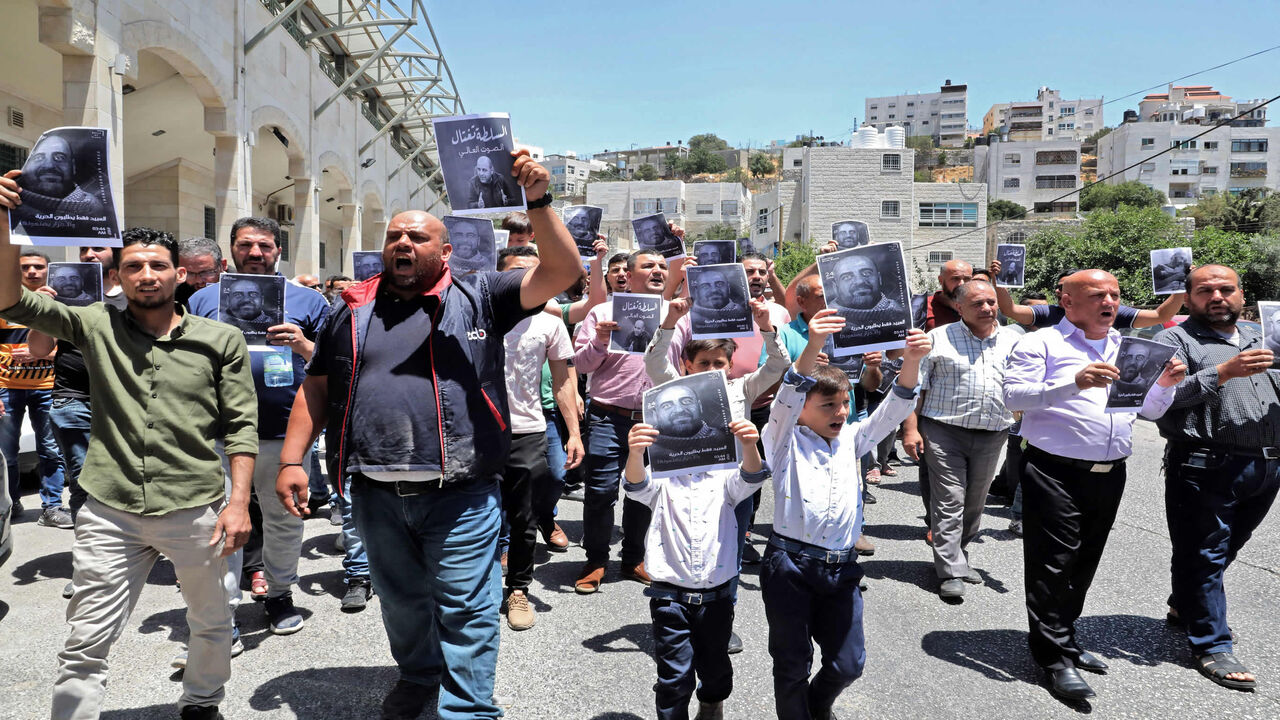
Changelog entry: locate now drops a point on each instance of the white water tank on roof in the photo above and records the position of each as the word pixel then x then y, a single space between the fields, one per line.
pixel 868 137
pixel 896 137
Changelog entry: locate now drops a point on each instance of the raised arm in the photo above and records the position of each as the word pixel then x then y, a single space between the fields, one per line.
pixel 558 266
pixel 10 272
pixel 825 322
pixel 789 294
pixel 658 364
pixel 1162 313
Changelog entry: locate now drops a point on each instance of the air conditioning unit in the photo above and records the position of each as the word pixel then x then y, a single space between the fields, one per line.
pixel 284 214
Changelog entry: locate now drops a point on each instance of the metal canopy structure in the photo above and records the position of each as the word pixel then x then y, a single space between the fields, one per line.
pixel 383 54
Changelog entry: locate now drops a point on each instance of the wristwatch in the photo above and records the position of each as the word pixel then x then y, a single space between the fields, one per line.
pixel 541 202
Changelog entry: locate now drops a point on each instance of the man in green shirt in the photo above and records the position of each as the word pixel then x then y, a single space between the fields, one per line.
pixel 166 384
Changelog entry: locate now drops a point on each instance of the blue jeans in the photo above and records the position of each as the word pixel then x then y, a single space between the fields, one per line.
pixel 433 560
pixel 691 647
pixel 1213 505
pixel 38 402
pixel 804 599
pixel 606 454
pixel 70 418
pixel 355 563
pixel 546 497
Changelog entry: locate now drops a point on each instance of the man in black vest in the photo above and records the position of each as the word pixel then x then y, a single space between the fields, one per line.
pixel 418 432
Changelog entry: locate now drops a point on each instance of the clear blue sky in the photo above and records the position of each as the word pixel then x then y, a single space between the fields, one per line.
pixel 587 76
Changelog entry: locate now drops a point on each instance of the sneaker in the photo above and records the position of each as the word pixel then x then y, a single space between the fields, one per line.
pixel 735 644
pixel 873 476
pixel 868 498
pixel 407 700
pixel 237 647
pixel 520 614
pixel 15 511
pixel 282 616
pixel 340 542
pixel 68 591
pixel 200 712
pixel 335 516
pixel 57 517
pixel 574 492
pixel 316 503
pixel 357 596
pixel 258 585
pixel 710 711
pixel 1015 527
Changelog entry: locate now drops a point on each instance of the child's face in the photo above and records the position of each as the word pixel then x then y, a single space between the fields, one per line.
pixel 707 360
pixel 825 414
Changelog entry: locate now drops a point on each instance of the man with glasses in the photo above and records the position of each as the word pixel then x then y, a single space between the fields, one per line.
pixel 204 263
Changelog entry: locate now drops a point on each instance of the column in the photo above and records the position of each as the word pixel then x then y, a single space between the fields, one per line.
pixel 351 229
pixel 231 184
pixel 304 254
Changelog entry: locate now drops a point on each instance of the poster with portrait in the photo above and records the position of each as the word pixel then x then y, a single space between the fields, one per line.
pixel 1169 270
pixel 721 303
pixel 692 416
pixel 77 283
pixel 852 365
pixel 583 222
pixel 653 234
pixel 1269 315
pixel 474 246
pixel 715 252
pixel 65 189
pixel 1013 265
pixel 476 161
pixel 500 238
pixel 637 317
pixel 850 234
pixel 1140 362
pixel 867 286
pixel 365 264
pixel 745 246
pixel 252 303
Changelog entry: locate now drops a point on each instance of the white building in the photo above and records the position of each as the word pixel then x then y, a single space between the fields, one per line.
pixel 1032 174
pixel 224 109
pixel 628 161
pixel 1230 159
pixel 568 174
pixel 935 222
pixel 1048 117
pixel 694 206
pixel 943 115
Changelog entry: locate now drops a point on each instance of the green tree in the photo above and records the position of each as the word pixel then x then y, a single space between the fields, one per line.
pixel 1252 211
pixel 761 164
pixel 608 174
pixel 1004 210
pixel 942 158
pixel 699 160
pixel 645 172
pixel 735 174
pixel 707 141
pixel 1101 196
pixel 923 176
pixel 1096 136
pixel 791 258
pixel 722 231
pixel 920 143
pixel 1258 276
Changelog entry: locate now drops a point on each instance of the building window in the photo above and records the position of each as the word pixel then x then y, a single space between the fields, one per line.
pixel 1249 145
pixel 1010 183
pixel 939 257
pixel 1057 207
pixel 874 118
pixel 926 122
pixel 1013 159
pixel 1055 182
pixel 1088 111
pixel 1183 144
pixel 1248 169
pixel 1209 170
pixel 557 170
pixel 892 116
pixel 910 104
pixel 1210 144
pixel 644 206
pixel 1067 126
pixel 12 156
pixel 1016 237
pixel 875 107
pixel 890 209
pixel 210 222
pixel 1148 142
pixel 670 206
pixel 891 162
pixel 1066 110
pixel 798 162
pixel 1056 157
pixel 570 188
pixel 323 253
pixel 704 209
pixel 948 214
pixel 729 208
pixel 284 244
pixel 762 221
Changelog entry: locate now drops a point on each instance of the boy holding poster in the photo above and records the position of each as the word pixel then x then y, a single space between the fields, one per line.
pixel 810 575
pixel 692 560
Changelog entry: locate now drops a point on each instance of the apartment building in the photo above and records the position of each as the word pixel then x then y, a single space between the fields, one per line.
pixel 628 161
pixel 1033 174
pixel 569 174
pixel 696 207
pixel 943 115
pixel 1048 117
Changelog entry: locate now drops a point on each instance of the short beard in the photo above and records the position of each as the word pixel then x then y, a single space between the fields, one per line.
pixel 151 303
pixel 1204 318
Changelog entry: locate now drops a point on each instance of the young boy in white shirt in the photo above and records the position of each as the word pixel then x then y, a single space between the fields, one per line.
pixel 810 574
pixel 691 555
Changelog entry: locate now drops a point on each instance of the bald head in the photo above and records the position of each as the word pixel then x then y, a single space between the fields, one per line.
pixel 1090 299
pixel 808 285
pixel 1205 272
pixel 1214 297
pixel 809 296
pixel 954 273
pixel 414 252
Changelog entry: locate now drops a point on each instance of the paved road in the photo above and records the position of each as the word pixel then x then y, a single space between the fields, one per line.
pixel 588 657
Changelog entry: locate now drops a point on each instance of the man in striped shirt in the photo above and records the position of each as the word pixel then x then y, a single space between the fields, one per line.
pixel 964 422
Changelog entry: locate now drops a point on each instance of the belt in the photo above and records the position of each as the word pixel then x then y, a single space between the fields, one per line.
pixel 635 415
pixel 830 557
pixel 664 591
pixel 405 488
pixel 1085 465
pixel 1267 453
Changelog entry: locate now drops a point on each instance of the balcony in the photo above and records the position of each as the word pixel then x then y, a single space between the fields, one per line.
pixel 1248 170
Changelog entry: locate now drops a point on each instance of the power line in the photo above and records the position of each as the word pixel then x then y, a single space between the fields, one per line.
pixel 1123 170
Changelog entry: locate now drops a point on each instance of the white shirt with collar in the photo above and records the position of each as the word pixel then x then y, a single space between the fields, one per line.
pixel 817 485
pixel 692 541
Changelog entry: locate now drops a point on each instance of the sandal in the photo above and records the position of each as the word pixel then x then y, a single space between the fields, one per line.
pixel 1217 666
pixel 888 471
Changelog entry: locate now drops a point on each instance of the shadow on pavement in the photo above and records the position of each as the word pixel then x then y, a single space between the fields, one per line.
pixel 914 572
pixel 331 583
pixel 894 532
pixel 1000 655
pixel 616 716
pixel 637 637
pixel 4 609
pixel 321 546
pixel 1137 639
pixel 333 692
pixel 52 566
pixel 143 713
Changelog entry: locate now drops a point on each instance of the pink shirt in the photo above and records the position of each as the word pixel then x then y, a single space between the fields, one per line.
pixel 614 378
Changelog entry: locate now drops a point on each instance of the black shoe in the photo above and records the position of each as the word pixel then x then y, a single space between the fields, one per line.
pixel 1088 661
pixel 827 714
pixel 15 512
pixel 316 503
pixel 357 596
pixel 735 643
pixel 1068 685
pixel 282 616
pixel 868 498
pixel 200 712
pixel 750 555
pixel 407 700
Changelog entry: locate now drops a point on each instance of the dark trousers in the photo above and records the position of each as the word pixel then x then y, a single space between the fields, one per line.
pixel 691 645
pixel 809 601
pixel 253 548
pixel 1067 516
pixel 759 418
pixel 606 454
pixel 1213 503
pixel 526 469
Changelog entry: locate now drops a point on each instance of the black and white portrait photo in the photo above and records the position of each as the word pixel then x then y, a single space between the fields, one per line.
pixel 637 317
pixel 721 307
pixel 500 238
pixel 867 286
pixel 475 159
pixel 653 234
pixel 252 303
pixel 76 283
pixel 852 365
pixel 1169 270
pixel 715 252
pixel 474 247
pixel 1140 363
pixel 692 417
pixel 583 222
pixel 1013 265
pixel 850 234
pixel 745 246
pixel 365 264
pixel 1269 315
pixel 65 188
